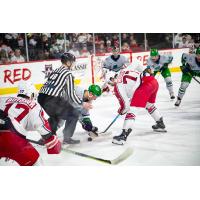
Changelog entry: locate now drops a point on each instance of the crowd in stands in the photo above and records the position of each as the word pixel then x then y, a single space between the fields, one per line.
pixel 44 46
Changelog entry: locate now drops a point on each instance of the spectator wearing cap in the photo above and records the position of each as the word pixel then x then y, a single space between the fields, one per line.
pixel 17 57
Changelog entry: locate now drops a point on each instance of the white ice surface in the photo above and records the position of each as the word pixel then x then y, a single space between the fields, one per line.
pixel 179 146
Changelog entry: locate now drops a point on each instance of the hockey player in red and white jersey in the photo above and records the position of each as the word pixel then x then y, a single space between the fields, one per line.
pixel 135 89
pixel 22 114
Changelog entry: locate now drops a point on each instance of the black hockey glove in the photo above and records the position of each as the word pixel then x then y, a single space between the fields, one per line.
pixel 185 69
pixel 87 125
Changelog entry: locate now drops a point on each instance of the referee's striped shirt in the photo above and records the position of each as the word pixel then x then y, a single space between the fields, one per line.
pixel 60 83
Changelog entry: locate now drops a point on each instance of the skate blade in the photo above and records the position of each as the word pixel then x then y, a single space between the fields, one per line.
pixel 160 130
pixel 65 146
pixel 93 135
pixel 118 142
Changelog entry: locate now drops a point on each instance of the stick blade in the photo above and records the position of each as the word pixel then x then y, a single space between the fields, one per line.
pixel 122 157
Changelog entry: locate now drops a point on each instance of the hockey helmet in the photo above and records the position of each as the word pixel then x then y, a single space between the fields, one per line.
pixel 26 88
pixel 197 50
pixel 67 57
pixel 154 52
pixel 95 90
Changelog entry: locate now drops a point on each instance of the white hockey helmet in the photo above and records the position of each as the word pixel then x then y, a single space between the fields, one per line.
pixel 26 88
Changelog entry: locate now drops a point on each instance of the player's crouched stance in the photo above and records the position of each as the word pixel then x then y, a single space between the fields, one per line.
pixel 136 90
pixel 19 115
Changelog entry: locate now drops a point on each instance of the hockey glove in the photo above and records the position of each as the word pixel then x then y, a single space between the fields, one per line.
pixel 185 69
pixel 165 66
pixel 53 145
pixel 122 110
pixel 87 124
pixel 105 89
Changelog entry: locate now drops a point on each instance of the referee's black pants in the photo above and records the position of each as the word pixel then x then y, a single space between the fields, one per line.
pixel 57 109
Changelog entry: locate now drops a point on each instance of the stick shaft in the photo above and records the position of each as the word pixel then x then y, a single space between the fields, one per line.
pixel 111 123
pixel 75 153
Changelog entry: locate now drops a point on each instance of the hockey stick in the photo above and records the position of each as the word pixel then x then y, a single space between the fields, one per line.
pixel 90 138
pixel 110 124
pixel 196 79
pixel 115 161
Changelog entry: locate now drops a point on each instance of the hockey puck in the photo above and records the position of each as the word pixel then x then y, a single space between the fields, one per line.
pixel 89 139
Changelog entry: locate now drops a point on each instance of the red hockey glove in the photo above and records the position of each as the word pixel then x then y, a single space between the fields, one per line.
pixel 122 111
pixel 105 89
pixel 53 145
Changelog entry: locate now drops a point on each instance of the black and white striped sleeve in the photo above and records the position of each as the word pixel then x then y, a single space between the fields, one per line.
pixel 71 91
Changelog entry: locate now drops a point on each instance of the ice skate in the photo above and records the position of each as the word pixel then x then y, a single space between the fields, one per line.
pixel 178 102
pixel 159 126
pixel 172 97
pixel 121 139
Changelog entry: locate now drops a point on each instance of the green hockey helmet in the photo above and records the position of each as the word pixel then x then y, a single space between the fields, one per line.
pixel 198 50
pixel 95 90
pixel 154 52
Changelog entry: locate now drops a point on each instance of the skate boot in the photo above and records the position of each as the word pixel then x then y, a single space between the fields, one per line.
pixel 121 139
pixel 159 126
pixel 70 141
pixel 172 97
pixel 178 102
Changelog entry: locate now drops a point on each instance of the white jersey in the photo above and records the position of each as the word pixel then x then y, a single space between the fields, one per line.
pixel 115 63
pixel 80 93
pixel 129 80
pixel 26 115
pixel 112 67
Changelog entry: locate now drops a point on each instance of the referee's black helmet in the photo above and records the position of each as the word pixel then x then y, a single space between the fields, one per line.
pixel 67 57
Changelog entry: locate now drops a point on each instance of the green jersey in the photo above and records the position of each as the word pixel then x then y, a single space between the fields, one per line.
pixel 161 63
pixel 189 60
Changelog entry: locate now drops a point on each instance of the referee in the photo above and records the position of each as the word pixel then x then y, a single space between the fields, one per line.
pixel 58 97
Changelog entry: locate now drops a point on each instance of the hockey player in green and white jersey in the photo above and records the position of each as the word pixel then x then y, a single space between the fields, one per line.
pixel 159 63
pixel 111 68
pixel 86 95
pixel 190 68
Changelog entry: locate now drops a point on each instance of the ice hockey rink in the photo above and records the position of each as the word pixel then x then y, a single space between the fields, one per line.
pixel 179 146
